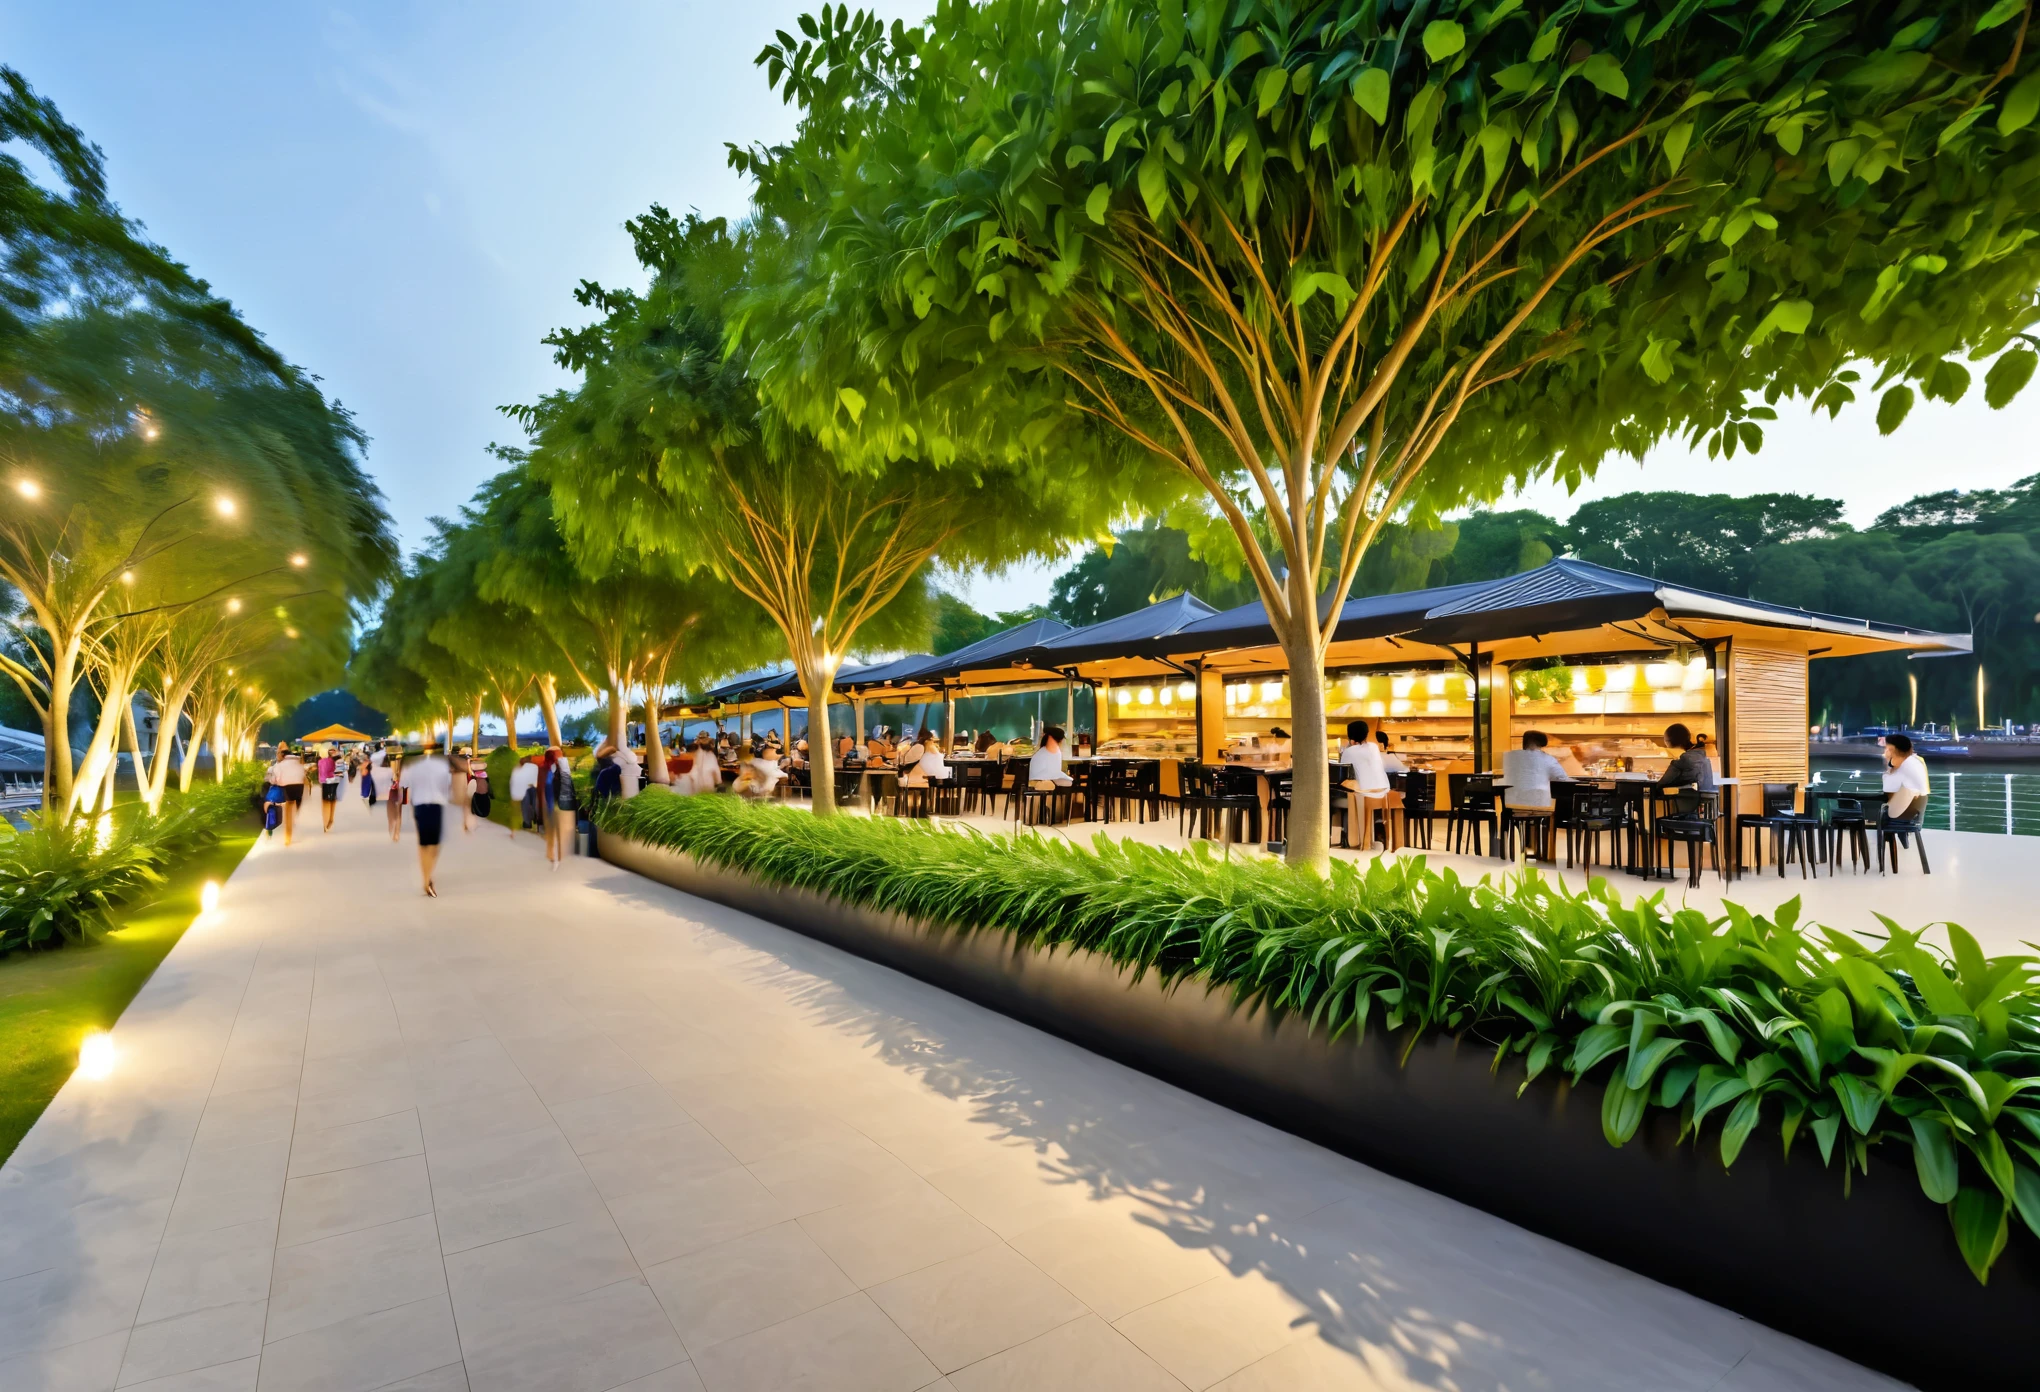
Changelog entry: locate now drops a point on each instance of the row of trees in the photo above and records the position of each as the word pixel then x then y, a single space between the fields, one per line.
pixel 1323 272
pixel 183 515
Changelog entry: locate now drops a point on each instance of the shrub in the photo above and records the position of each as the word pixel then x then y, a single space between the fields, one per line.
pixel 1737 1024
pixel 61 879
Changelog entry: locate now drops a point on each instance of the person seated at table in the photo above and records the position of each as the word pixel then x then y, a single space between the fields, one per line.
pixel 1905 780
pixel 1690 768
pixel 1389 760
pixel 706 774
pixel 1529 772
pixel 1573 759
pixel 1368 782
pixel 926 765
pixel 985 740
pixel 757 776
pixel 1045 769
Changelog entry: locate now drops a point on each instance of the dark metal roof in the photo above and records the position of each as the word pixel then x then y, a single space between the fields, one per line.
pixel 996 651
pixel 743 686
pixel 1117 637
pixel 1371 616
pixel 1570 594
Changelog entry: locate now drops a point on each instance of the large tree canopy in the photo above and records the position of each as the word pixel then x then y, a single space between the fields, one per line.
pixel 1331 260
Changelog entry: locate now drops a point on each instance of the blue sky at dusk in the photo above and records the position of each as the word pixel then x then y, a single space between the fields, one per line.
pixel 403 198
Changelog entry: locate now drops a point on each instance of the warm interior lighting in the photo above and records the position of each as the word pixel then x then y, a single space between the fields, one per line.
pixel 1122 696
pixel 96 1055
pixel 209 897
pixel 1147 696
pixel 1622 677
pixel 1271 691
pixel 1187 691
pixel 1356 687
pixel 1436 684
pixel 1399 687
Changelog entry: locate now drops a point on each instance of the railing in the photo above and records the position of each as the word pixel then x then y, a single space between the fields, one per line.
pixel 2003 803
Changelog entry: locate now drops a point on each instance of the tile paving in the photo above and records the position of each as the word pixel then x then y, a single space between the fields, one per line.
pixel 575 1132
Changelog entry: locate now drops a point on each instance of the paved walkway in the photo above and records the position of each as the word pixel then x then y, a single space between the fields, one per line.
pixel 574 1131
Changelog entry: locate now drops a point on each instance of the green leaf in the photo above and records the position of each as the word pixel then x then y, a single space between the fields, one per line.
pixel 1934 1156
pixel 2008 376
pixel 2003 12
pixel 1657 361
pixel 1787 316
pixel 1841 158
pixel 1370 90
pixel 1676 141
pixel 1893 408
pixel 1861 1101
pixel 853 402
pixel 1622 1110
pixel 1978 1216
pixel 1518 78
pixel 1330 282
pixel 2026 1194
pixel 1742 1120
pixel 1154 184
pixel 1270 87
pixel 1119 130
pixel 1442 39
pixel 1545 44
pixel 1605 73
pixel 1098 202
pixel 2020 106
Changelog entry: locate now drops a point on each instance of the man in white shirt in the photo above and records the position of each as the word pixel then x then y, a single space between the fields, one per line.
pixel 1905 780
pixel 428 782
pixel 1528 772
pixel 1045 769
pixel 288 775
pixel 1367 782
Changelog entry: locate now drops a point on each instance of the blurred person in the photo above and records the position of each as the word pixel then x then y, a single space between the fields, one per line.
pixel 287 774
pixel 427 782
pixel 393 769
pixel 330 775
pixel 524 792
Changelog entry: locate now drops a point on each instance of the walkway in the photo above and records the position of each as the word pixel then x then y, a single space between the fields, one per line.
pixel 572 1132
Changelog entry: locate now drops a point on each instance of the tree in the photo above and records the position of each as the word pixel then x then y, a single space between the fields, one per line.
pixel 1333 260
pixel 1144 564
pixel 1493 545
pixel 662 450
pixel 1702 539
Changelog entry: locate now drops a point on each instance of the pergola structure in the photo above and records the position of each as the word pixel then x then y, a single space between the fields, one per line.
pixel 1455 673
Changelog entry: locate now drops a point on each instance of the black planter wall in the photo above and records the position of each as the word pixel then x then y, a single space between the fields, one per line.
pixel 1874 1275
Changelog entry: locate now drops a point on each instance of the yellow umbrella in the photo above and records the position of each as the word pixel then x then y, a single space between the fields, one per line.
pixel 336 734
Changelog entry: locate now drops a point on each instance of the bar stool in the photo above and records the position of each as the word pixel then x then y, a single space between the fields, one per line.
pixel 1470 810
pixel 1792 834
pixel 1694 827
pixel 1848 820
pixel 1596 812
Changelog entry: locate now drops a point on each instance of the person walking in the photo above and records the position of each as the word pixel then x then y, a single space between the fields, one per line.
pixel 329 787
pixel 428 783
pixel 288 775
pixel 367 782
pixel 556 786
pixel 479 802
pixel 382 773
pixel 524 792
pixel 393 769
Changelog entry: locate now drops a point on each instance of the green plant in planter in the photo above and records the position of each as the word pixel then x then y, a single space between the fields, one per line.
pixel 1734 1024
pixel 62 878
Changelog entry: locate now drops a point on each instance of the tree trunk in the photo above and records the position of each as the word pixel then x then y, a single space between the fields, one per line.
pixel 219 745
pixel 509 723
pixel 187 769
pixel 475 740
pixel 655 747
pixel 169 719
pixel 104 738
pixel 57 770
pixel 134 744
pixel 619 715
pixel 548 705
pixel 1310 797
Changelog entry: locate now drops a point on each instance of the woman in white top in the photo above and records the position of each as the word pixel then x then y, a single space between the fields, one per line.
pixel 1368 782
pixel 706 775
pixel 288 774
pixel 930 765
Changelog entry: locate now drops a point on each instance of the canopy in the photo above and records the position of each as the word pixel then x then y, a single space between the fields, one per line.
pixel 336 734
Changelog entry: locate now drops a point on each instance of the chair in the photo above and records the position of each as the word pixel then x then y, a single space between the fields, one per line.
pixel 1013 776
pixel 1140 783
pixel 977 785
pixel 1596 812
pixel 1894 832
pixel 1792 833
pixel 1280 789
pixel 1091 780
pixel 1420 805
pixel 1048 806
pixel 946 795
pixel 1537 825
pixel 1213 801
pixel 911 801
pixel 1470 810
pixel 1694 827
pixel 1848 819
pixel 850 785
pixel 799 784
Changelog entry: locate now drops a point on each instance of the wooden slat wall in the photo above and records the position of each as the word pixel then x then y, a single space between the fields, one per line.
pixel 1767 717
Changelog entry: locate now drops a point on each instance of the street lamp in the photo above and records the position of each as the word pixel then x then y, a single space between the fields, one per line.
pixel 225 506
pixel 28 488
pixel 233 606
pixel 300 560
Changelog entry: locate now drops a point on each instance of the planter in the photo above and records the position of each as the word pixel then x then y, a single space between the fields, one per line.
pixel 1874 1275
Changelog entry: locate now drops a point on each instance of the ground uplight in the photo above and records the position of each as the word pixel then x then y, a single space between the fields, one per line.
pixel 96 1055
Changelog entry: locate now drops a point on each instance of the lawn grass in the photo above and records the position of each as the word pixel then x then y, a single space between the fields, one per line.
pixel 50 1000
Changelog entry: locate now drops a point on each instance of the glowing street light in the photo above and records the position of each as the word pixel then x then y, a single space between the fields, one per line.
pixel 209 897
pixel 233 606
pixel 225 506
pixel 127 577
pixel 28 488
pixel 96 1056
pixel 300 560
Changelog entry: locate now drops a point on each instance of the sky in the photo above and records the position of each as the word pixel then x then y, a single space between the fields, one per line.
pixel 403 198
